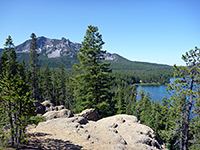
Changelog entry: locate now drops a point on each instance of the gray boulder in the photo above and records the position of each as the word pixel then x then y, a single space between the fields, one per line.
pixel 48 106
pixel 89 114
pixel 64 113
pixel 51 115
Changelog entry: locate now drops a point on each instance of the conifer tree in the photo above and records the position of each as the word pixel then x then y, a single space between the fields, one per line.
pixel 165 122
pixel 156 118
pixel 7 70
pixel 54 87
pixel 34 67
pixel 8 52
pixel 22 71
pixel 41 85
pixel 61 86
pixel 121 103
pixel 47 80
pixel 3 61
pixel 130 97
pixel 93 83
pixel 15 105
pixel 186 94
pixel 69 94
pixel 145 110
pixel 139 103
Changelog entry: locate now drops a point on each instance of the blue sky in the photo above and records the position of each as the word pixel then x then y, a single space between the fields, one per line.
pixel 157 31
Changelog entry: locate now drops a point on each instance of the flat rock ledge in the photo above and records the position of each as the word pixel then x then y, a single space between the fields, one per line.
pixel 119 132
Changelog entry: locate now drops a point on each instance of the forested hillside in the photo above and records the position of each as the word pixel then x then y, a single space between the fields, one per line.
pixel 55 53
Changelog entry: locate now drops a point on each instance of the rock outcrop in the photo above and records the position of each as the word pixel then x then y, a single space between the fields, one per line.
pixel 49 111
pixel 119 132
pixel 52 112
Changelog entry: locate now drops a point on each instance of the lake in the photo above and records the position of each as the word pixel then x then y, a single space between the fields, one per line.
pixel 155 91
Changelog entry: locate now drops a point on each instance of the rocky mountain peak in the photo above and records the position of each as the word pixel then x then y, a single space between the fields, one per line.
pixel 53 48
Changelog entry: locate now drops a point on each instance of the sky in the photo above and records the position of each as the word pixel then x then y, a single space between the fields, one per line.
pixel 156 31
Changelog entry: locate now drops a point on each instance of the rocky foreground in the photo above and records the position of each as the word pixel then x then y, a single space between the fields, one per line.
pixel 119 132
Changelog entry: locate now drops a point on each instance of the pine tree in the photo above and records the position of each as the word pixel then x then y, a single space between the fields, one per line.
pixel 61 86
pixel 93 83
pixel 139 103
pixel 22 71
pixel 186 96
pixel 165 122
pixel 155 116
pixel 3 61
pixel 69 94
pixel 8 52
pixel 145 109
pixel 8 60
pixel 15 105
pixel 34 67
pixel 130 97
pixel 195 125
pixel 54 87
pixel 121 103
pixel 47 80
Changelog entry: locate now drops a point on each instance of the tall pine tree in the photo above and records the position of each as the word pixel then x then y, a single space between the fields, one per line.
pixel 91 86
pixel 48 86
pixel 61 86
pixel 15 105
pixel 54 91
pixel 185 94
pixel 34 67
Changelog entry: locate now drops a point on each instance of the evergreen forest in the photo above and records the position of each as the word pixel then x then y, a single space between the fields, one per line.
pixel 96 83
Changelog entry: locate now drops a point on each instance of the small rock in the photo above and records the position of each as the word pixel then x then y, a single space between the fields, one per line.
pixel 65 113
pixel 57 108
pixel 40 109
pixel 47 104
pixel 51 108
pixel 51 115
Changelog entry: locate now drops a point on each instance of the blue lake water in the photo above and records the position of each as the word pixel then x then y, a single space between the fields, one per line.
pixel 155 91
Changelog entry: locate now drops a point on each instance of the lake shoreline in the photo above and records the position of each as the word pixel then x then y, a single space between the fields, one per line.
pixel 147 84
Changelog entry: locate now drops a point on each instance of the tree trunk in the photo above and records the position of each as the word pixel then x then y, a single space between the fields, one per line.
pixel 181 134
pixel 187 118
pixel 11 125
pixel 20 124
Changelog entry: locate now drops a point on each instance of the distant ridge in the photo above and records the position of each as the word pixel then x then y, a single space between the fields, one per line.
pixel 56 52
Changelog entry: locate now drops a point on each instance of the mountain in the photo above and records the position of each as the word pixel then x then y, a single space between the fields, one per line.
pixel 53 52
pixel 56 52
pixel 51 48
